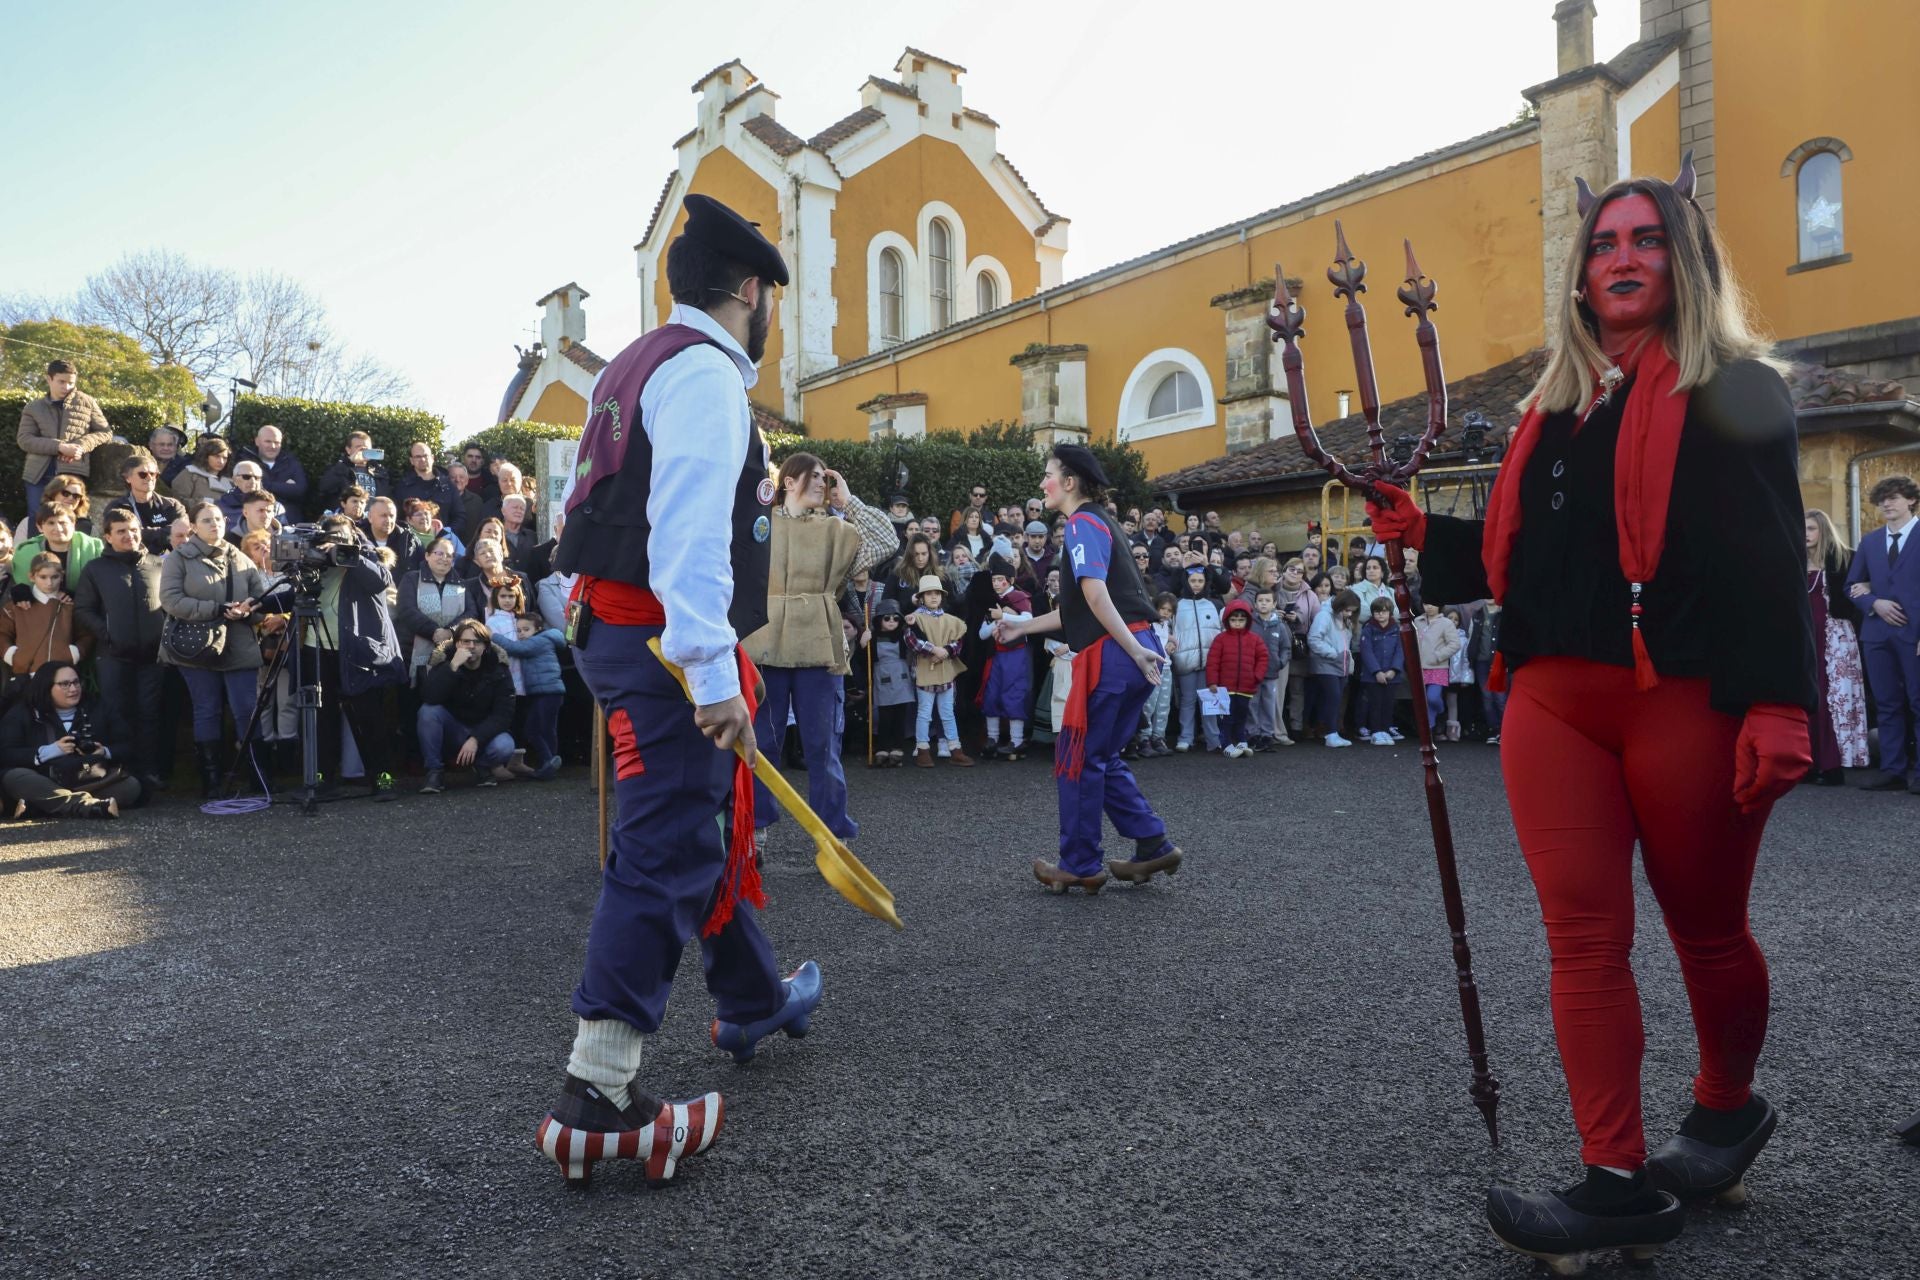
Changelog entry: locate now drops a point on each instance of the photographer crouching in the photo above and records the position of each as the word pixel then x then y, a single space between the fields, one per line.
pixel 61 751
pixel 352 649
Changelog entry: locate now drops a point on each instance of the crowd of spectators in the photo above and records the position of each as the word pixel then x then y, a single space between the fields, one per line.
pixel 439 650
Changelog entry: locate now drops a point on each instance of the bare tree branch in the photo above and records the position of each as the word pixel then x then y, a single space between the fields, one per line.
pixel 181 313
pixel 277 327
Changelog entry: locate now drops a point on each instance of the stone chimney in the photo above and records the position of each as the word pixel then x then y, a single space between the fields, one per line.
pixel 1573 20
pixel 566 320
pixel 1053 393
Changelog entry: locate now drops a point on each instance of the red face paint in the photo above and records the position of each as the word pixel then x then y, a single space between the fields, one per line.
pixel 1628 278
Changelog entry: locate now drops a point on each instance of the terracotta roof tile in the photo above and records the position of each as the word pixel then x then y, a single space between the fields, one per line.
pixel 1495 392
pixel 934 57
pixel 584 356
pixel 1021 178
pixel 781 140
pixel 981 116
pixel 1642 56
pixel 573 285
pixel 845 127
pixel 893 86
pixel 1816 387
pixel 659 205
pixel 722 67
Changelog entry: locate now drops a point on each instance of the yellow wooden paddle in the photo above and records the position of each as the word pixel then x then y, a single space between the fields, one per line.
pixel 831 857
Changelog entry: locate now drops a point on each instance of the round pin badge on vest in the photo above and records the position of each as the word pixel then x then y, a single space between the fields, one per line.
pixel 765 492
pixel 762 529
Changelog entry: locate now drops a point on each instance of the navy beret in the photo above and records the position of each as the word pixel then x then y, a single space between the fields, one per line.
pixel 720 229
pixel 1079 459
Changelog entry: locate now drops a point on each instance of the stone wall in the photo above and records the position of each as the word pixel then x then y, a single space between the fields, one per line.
pixel 1256 402
pixel 1695 17
pixel 1053 393
pixel 1577 139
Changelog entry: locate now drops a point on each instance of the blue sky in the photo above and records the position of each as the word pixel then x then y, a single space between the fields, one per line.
pixel 430 168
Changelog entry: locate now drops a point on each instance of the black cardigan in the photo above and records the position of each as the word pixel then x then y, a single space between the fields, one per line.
pixel 1729 601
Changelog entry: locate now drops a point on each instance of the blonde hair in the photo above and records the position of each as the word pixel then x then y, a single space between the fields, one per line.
pixel 1711 325
pixel 1830 550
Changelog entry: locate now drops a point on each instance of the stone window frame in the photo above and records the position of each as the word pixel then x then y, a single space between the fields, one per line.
pixel 986 266
pixel 930 212
pixel 1793 167
pixel 912 310
pixel 1137 394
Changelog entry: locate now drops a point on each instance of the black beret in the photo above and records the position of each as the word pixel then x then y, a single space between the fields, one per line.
pixel 1079 459
pixel 720 229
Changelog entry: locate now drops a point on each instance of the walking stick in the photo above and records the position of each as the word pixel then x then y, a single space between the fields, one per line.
pixel 866 610
pixel 600 773
pixel 1288 320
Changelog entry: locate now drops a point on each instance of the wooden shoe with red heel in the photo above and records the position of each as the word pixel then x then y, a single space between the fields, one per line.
pixel 586 1128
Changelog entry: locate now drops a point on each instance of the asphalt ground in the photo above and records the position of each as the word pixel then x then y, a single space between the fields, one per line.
pixel 266 1045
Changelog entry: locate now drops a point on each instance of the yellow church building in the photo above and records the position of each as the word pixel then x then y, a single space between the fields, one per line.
pixel 929 286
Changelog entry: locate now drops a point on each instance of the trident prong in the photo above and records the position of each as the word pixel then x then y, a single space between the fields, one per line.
pixel 1288 321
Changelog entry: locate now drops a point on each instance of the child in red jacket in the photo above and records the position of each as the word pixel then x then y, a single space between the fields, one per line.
pixel 1237 662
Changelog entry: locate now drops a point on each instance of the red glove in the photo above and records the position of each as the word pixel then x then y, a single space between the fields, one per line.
pixel 1401 520
pixel 1772 753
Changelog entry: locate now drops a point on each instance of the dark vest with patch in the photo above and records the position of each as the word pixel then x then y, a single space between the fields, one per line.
pixel 607 527
pixel 1124 585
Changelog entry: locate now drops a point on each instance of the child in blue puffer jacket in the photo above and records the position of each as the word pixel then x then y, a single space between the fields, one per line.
pixel 536 652
pixel 1381 663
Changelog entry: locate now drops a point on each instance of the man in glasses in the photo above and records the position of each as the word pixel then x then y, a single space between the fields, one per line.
pixel 280 472
pixel 976 501
pixel 154 512
pixel 248 479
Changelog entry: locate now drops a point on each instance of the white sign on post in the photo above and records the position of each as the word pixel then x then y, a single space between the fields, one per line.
pixel 553 468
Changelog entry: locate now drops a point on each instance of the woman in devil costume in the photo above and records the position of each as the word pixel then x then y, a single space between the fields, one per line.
pixel 1645 537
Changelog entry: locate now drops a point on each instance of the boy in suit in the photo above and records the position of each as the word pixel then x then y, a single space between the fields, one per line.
pixel 1885 583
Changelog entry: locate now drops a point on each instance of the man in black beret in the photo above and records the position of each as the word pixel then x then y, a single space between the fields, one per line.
pixel 670 428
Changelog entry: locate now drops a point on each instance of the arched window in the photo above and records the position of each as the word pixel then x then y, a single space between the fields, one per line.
pixel 987 294
pixel 1821 207
pixel 893 296
pixel 940 273
pixel 1178 392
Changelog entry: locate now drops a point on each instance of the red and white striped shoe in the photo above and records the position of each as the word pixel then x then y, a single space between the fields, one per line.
pixel 586 1128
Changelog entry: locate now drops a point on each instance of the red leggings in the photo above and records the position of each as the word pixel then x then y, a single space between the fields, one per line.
pixel 1591 764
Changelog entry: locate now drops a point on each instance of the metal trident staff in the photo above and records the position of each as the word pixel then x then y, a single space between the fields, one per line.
pixel 1288 320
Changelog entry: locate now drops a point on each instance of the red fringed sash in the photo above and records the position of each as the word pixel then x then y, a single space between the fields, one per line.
pixel 624 604
pixel 1070 754
pixel 1649 443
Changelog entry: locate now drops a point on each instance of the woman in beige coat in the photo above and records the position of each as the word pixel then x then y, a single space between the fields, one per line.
pixel 208 579
pixel 821 536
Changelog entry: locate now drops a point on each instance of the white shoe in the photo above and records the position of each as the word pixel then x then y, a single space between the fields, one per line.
pixel 1493 739
pixel 1282 740
pixel 1396 735
pixel 1183 746
pixel 1246 749
pixel 1232 752
pixel 1335 740
pixel 1381 740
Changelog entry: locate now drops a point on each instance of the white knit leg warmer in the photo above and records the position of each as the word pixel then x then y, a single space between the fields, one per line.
pixel 606 1054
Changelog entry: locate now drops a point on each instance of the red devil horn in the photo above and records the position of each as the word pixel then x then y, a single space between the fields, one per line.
pixel 1684 183
pixel 1586 197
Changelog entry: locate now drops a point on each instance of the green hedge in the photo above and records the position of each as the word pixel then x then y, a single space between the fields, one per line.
pixel 317 429
pixel 944 467
pixel 515 441
pixel 132 419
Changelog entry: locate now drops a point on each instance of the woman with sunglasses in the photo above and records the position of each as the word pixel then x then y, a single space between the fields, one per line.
pixel 60 751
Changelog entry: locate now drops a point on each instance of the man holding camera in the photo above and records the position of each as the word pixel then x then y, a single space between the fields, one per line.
pixel 671 431
pixel 59 431
pixel 354 651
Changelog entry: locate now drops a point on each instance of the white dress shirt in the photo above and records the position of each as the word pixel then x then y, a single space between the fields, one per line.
pixel 694 410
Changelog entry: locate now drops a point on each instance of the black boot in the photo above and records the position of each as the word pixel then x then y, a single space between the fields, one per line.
pixel 1709 1157
pixel 1606 1211
pixel 207 756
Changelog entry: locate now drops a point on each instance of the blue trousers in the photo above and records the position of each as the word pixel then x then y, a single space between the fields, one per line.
pixel 1893 678
pixel 438 731
pixel 207 689
pixel 1105 784
pixel 817 697
pixel 665 852
pixel 543 727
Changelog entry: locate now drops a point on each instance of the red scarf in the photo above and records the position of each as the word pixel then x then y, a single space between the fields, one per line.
pixel 1070 753
pixel 1643 463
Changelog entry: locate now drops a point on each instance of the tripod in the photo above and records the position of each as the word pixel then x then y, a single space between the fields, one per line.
pixel 305 585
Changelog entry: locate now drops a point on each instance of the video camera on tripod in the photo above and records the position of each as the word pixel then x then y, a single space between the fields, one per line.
pixel 312 547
